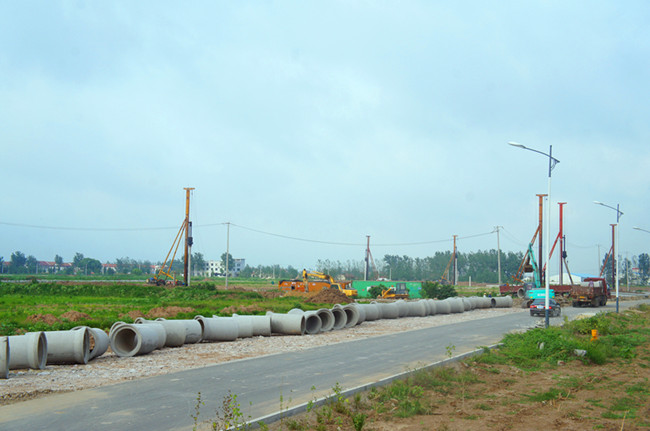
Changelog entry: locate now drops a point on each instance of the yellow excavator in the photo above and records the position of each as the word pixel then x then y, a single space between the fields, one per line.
pixel 398 292
pixel 332 284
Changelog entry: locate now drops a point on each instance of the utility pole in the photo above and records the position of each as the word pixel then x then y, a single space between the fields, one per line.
pixel 188 238
pixel 498 253
pixel 561 235
pixel 365 274
pixel 455 263
pixel 227 251
pixel 541 228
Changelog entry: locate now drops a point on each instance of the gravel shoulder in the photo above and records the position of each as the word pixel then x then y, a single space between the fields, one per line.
pixel 110 369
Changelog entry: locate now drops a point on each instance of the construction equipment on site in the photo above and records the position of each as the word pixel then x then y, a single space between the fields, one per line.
pixel 593 292
pixel 446 279
pixel 399 291
pixel 165 275
pixel 322 281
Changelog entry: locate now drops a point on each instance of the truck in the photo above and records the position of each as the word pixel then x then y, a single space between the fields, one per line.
pixel 592 292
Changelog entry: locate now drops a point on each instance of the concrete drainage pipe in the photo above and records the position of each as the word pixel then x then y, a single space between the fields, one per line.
pixel 442 307
pixel 217 328
pixel 351 314
pixel 287 324
pixel 184 331
pixel 502 302
pixel 313 324
pixel 417 309
pixel 389 310
pixel 326 318
pixel 340 318
pixel 4 358
pixel 433 307
pixel 362 313
pixel 159 328
pixel 402 307
pixel 98 341
pixel 68 347
pixel 455 305
pixel 245 326
pixel 28 351
pixel 371 311
pixel 128 340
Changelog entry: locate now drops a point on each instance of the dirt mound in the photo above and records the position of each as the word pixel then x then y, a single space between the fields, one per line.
pixel 45 318
pixel 133 314
pixel 74 316
pixel 167 312
pixel 242 309
pixel 330 296
pixel 270 293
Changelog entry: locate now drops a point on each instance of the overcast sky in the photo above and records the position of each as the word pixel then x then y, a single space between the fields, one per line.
pixel 323 121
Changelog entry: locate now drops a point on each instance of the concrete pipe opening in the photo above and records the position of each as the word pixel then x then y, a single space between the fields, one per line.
pixel 313 324
pixel 28 351
pixel 340 318
pixel 132 340
pixel 351 315
pixel 68 347
pixel 326 318
pixel 521 293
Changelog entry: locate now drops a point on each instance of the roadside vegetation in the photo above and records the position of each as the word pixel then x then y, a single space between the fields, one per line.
pixel 555 378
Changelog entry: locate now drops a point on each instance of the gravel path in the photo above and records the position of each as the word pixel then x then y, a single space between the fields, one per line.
pixel 109 368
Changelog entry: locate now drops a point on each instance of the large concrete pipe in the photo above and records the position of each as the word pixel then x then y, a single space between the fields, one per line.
pixel 326 318
pixel 371 310
pixel 455 305
pixel 218 328
pixel 192 329
pixel 68 347
pixel 443 307
pixel 98 341
pixel 402 307
pixel 287 324
pixel 389 310
pixel 4 358
pixel 433 307
pixel 175 331
pixel 245 326
pixel 128 340
pixel 484 302
pixel 417 308
pixel 362 313
pixel 467 304
pixel 340 318
pixel 28 351
pixel 351 314
pixel 161 332
pixel 313 324
pixel 502 302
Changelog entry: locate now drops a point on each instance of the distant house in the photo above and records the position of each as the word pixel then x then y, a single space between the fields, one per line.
pixel 215 268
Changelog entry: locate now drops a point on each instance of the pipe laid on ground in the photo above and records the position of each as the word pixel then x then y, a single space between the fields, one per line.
pixel 174 329
pixel 502 302
pixel 443 307
pixel 99 341
pixel 371 310
pixel 455 305
pixel 217 328
pixel 159 328
pixel 313 323
pixel 351 314
pixel 128 340
pixel 417 309
pixel 326 318
pixel 4 358
pixel 433 307
pixel 191 330
pixel 402 307
pixel 340 318
pixel 389 310
pixel 28 351
pixel 287 324
pixel 245 326
pixel 362 313
pixel 467 304
pixel 68 347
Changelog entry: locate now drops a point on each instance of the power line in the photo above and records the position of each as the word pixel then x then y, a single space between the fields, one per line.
pixel 98 229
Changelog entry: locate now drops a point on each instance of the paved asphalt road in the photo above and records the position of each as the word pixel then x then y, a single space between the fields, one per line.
pixel 167 402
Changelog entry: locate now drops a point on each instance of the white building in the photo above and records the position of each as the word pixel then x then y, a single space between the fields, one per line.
pixel 215 268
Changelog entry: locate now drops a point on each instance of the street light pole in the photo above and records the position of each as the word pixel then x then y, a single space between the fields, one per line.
pixel 552 161
pixel 618 217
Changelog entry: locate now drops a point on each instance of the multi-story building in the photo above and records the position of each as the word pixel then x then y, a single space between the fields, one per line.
pixel 215 268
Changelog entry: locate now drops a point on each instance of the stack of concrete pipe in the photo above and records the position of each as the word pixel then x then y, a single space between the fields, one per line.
pixel 37 349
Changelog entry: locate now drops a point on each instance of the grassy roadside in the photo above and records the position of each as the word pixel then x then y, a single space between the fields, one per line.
pixel 555 378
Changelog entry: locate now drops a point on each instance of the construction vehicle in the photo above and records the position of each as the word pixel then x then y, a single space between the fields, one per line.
pixel 399 291
pixel 323 281
pixel 592 292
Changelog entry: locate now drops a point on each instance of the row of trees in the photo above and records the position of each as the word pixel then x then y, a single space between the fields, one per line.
pixel 480 266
